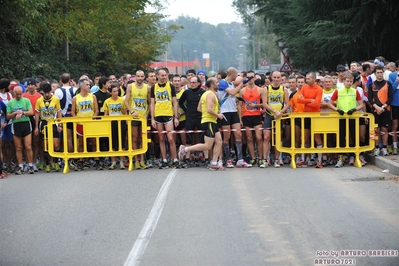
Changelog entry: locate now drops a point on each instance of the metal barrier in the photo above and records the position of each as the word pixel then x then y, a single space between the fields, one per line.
pixel 95 128
pixel 327 125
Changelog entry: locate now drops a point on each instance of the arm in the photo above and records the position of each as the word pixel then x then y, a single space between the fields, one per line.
pixel 95 105
pixel 127 97
pixel 286 101
pixel 199 107
pixel 73 108
pixel 182 100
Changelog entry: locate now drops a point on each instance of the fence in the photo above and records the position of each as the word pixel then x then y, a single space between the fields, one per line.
pixel 96 128
pixel 328 125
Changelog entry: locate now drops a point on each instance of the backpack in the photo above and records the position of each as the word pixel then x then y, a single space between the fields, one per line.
pixel 63 100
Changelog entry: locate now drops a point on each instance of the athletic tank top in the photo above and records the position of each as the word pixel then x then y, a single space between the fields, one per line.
pixel 251 96
pixel 138 99
pixel 84 105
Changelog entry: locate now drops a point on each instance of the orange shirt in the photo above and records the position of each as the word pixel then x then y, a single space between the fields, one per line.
pixel 298 107
pixel 32 98
pixel 314 92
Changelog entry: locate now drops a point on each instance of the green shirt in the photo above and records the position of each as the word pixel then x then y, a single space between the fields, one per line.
pixel 21 104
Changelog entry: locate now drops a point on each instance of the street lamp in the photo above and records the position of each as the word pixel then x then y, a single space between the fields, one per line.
pixel 253 51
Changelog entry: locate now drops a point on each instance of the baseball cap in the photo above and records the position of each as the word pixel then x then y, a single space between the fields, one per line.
pixel 340 68
pixel 30 81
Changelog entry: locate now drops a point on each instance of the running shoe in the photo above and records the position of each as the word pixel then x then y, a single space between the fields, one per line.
pixel 339 164
pixel 143 165
pixel 164 165
pixel 137 165
pixel 376 151
pixel 301 164
pixel 31 170
pixel 395 151
pixel 385 152
pixel 112 166
pixel 319 164
pixel 362 160
pixel 389 149
pixel 122 165
pixel 229 164
pixel 276 164
pixel 182 152
pixel 351 160
pixel 149 164
pixel 263 164
pixel 56 167
pixel 3 175
pixel 243 164
pixel 19 171
pixel 35 168
pixel 48 168
pixel 216 167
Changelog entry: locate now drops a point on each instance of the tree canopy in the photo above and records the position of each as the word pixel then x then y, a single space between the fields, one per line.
pixel 79 36
pixel 324 33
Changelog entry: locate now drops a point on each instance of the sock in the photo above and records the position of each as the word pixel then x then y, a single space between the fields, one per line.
pixel 303 157
pixel 319 155
pixel 30 164
pixel 395 144
pixel 21 165
pixel 213 163
pixel 226 149
pixel 239 150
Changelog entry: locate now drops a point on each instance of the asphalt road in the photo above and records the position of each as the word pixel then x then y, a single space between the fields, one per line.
pixel 199 217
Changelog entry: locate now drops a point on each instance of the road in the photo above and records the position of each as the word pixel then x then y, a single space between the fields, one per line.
pixel 199 217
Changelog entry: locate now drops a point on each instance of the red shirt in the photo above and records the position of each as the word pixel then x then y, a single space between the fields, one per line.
pixel 311 92
pixel 32 98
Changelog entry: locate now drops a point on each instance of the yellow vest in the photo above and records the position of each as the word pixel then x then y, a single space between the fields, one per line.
pixel 163 100
pixel 138 99
pixel 275 98
pixel 207 117
pixel 84 105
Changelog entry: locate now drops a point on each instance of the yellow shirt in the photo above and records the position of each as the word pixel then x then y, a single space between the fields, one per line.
pixel 84 105
pixel 114 107
pixel 275 98
pixel 207 117
pixel 179 109
pixel 163 100
pixel 138 99
pixel 48 108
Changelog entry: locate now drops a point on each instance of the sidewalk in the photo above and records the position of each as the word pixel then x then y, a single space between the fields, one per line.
pixel 390 162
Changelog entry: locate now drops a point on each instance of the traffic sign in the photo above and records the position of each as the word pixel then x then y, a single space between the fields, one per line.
pixel 265 62
pixel 286 67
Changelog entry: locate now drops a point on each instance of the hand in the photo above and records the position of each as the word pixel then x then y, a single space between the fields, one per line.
pixel 3 125
pixel 176 122
pixel 245 81
pixel 351 111
pixel 18 116
pixel 340 112
pixel 135 114
pixel 153 123
pixel 220 116
pixel 36 131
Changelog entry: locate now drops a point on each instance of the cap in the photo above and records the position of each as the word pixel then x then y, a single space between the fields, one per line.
pixel 201 72
pixel 378 62
pixel 356 76
pixel 341 68
pixel 30 81
pixel 321 78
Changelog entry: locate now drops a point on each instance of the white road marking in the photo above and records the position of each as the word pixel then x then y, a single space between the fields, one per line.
pixel 144 237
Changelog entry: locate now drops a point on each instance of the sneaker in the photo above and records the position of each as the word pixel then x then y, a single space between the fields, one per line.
pixel 143 165
pixel 301 164
pixel 86 165
pixel 10 169
pixel 164 165
pixel 48 168
pixel 389 149
pixel 79 166
pixel 263 164
pixel 40 166
pixel 243 164
pixel 253 162
pixel 229 164
pixel 376 151
pixel 351 160
pixel 56 167
pixel 112 166
pixel 175 163
pixel 35 168
pixel 19 171
pixel 220 163
pixel 362 160
pixel 31 170
pixel 99 166
pixel 385 152
pixel 149 164
pixel 312 162
pixel 276 164
pixel 122 165
pixel 395 151
pixel 339 164
pixel 137 165
pixel 3 175
pixel 182 152
pixel 216 167
pixel 319 164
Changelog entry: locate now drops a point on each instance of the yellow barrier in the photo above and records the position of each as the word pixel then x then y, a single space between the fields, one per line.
pixel 324 124
pixel 96 128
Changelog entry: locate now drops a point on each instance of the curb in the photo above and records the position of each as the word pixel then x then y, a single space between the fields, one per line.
pixel 385 162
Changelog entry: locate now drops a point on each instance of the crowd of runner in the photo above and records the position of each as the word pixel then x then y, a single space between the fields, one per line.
pixel 223 121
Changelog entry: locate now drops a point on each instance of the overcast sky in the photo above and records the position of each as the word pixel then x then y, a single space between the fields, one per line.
pixel 211 11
